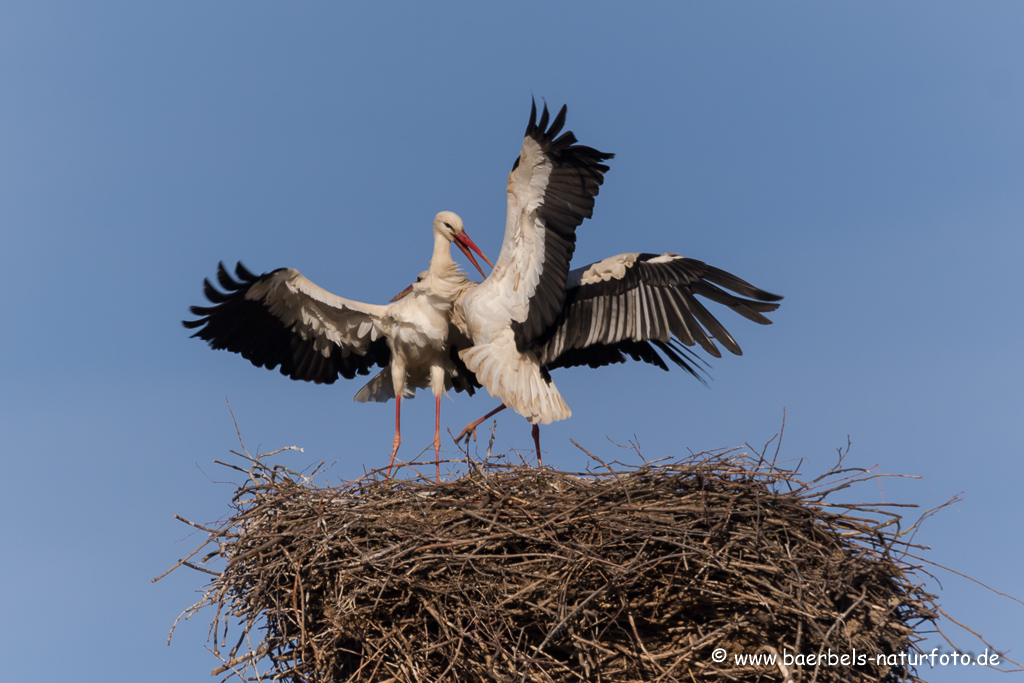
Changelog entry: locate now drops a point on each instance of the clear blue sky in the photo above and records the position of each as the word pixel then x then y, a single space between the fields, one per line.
pixel 864 160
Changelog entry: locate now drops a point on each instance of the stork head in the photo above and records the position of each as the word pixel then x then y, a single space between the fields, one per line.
pixel 449 225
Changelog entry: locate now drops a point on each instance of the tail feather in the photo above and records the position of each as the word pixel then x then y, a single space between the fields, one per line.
pixel 516 379
pixel 381 389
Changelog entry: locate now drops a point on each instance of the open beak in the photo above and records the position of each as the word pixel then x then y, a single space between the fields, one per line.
pixel 465 244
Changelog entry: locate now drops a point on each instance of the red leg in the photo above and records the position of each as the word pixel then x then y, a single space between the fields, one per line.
pixel 536 443
pixel 398 433
pixel 470 429
pixel 437 438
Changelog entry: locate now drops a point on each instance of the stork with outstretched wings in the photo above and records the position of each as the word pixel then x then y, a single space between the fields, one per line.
pixel 282 319
pixel 531 315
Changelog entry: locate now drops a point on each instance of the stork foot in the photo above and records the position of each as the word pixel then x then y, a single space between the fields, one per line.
pixel 394 451
pixel 398 431
pixel 437 437
pixel 437 457
pixel 470 429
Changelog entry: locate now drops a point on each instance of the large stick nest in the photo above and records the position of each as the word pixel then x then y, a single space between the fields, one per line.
pixel 509 573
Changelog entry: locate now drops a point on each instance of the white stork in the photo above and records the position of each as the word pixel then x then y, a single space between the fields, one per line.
pixel 283 319
pixel 551 189
pixel 531 315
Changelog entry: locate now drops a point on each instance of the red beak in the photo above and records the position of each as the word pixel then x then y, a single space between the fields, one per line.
pixel 402 294
pixel 464 244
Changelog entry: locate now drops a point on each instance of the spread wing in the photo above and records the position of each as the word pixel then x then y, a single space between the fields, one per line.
pixel 639 304
pixel 551 189
pixel 283 319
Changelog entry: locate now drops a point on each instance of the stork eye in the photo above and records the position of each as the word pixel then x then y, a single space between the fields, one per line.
pixel 448 225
